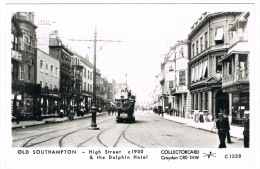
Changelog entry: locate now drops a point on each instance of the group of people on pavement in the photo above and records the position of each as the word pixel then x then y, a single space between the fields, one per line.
pixel 198 116
pixel 111 110
pixel 223 127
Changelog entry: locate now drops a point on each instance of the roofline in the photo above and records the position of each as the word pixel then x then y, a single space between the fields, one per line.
pixel 207 18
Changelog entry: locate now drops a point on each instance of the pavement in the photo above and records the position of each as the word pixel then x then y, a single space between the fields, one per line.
pixel 30 123
pixel 235 131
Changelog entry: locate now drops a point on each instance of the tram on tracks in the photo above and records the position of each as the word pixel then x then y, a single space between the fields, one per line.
pixel 125 104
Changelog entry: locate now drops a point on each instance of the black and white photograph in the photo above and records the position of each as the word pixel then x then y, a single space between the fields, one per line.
pixel 123 85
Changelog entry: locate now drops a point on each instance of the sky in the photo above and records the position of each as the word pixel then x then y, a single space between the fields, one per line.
pixel 146 30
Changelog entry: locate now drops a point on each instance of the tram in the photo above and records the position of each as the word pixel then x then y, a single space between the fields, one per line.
pixel 125 103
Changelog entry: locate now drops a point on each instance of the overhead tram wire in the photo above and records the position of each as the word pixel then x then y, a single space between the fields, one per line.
pixel 94 106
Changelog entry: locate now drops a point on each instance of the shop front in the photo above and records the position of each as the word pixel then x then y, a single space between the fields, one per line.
pixel 25 95
pixel 50 102
pixel 240 102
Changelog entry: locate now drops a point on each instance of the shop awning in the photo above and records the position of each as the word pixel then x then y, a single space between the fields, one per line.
pixel 204 68
pixel 112 103
pixel 219 35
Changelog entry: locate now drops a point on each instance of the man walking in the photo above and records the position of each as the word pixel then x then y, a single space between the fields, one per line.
pixel 222 126
pixel 228 128
pixel 246 130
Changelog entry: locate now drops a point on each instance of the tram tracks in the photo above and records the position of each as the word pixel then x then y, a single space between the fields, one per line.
pixel 26 144
pixel 62 134
pixel 122 135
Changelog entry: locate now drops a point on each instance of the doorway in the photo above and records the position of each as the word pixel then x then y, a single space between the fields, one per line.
pixel 222 103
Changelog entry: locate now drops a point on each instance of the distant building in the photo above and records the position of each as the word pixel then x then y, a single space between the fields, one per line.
pixel 179 91
pixel 87 82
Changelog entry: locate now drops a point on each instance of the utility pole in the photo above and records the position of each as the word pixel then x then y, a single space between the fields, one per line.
pixel 94 99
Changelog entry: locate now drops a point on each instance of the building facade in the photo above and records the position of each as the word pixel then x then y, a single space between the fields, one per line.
pixel 167 81
pixel 48 76
pixel 76 82
pixel 209 41
pixel 25 91
pixel 179 91
pixel 64 55
pixel 87 83
pixel 236 68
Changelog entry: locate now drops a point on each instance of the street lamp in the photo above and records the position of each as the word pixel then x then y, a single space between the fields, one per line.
pixel 94 109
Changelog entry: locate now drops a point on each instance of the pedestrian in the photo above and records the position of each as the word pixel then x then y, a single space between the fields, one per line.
pixel 222 126
pixel 112 111
pixel 201 116
pixel 228 133
pixel 81 112
pixel 196 114
pixel 246 130
pixel 108 111
pixel 61 114
pixel 18 114
pixel 162 113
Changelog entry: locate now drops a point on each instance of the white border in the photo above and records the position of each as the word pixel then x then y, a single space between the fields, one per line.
pixel 80 161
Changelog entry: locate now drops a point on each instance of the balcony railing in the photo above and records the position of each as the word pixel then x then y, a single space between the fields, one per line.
pixel 181 89
pixel 238 36
pixel 243 75
pixel 228 80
